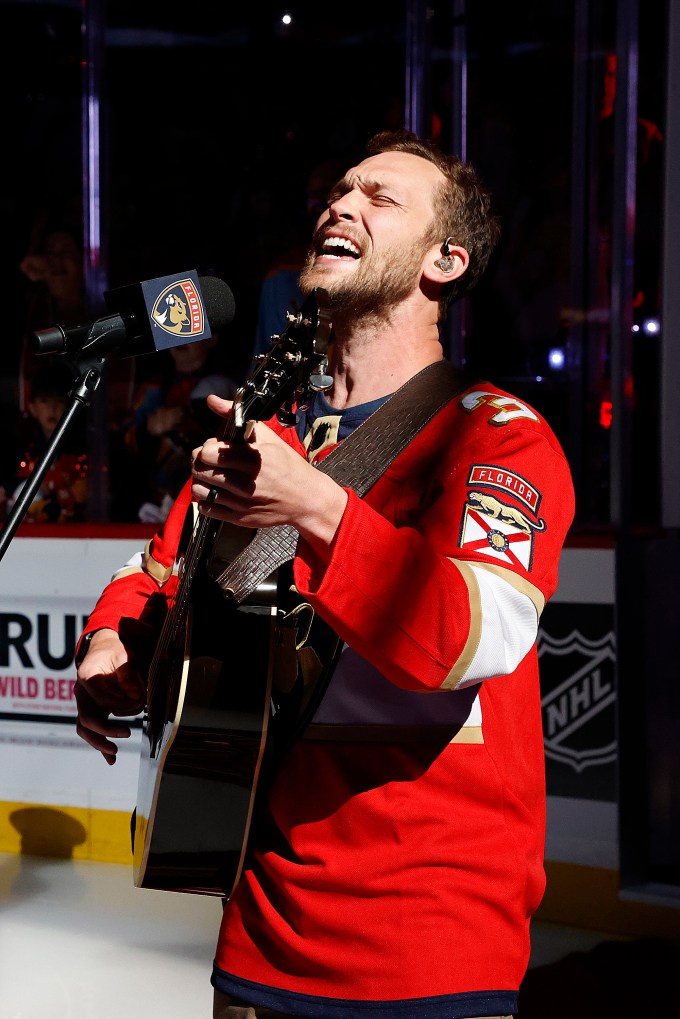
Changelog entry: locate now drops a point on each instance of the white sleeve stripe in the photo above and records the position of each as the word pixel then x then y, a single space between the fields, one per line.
pixel 519 583
pixel 135 563
pixel 507 629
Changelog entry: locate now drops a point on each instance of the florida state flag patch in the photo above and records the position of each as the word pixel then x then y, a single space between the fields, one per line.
pixel 496 528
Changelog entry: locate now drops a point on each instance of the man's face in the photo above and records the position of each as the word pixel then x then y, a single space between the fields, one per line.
pixel 369 245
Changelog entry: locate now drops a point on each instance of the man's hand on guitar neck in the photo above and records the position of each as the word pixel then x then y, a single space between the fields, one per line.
pixel 263 482
pixel 107 685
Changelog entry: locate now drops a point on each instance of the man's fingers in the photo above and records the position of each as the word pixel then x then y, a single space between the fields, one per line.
pixel 95 728
pixel 122 693
pixel 106 748
pixel 219 405
pixel 99 735
pixel 218 454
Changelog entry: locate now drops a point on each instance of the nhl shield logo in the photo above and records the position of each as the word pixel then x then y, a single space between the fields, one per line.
pixel 578 712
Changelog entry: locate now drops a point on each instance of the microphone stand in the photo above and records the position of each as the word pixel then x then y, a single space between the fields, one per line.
pixel 89 369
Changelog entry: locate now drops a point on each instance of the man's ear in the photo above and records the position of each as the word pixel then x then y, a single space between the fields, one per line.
pixel 445 262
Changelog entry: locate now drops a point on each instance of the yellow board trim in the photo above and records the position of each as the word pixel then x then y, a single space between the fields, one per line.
pixel 78 833
pixel 589 898
pixel 575 896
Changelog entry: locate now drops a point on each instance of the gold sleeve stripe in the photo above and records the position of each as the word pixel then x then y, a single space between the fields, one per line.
pixel 469 734
pixel 519 584
pixel 159 573
pixel 467 654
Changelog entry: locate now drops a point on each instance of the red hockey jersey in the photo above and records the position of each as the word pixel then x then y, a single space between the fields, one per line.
pixel 398 854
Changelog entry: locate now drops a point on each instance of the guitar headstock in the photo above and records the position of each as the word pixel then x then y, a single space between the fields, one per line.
pixel 295 364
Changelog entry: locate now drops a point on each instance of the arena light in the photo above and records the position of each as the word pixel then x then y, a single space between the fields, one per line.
pixel 556 358
pixel 606 414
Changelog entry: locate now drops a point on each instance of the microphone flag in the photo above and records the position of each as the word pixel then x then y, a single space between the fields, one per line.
pixel 173 307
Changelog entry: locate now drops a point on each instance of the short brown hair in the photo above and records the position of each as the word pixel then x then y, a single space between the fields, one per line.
pixel 462 206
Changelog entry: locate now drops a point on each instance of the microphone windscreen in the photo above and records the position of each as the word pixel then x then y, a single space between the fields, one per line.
pixel 218 301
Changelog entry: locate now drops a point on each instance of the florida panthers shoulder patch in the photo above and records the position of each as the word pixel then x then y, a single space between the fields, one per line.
pixel 501 522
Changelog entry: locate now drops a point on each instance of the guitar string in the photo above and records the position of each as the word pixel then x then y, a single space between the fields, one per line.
pixel 285 360
pixel 205 528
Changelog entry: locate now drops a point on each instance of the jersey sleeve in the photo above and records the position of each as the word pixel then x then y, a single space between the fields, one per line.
pixel 438 577
pixel 147 573
pixel 152 571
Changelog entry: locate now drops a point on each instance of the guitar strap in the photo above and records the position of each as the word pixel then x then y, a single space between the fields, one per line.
pixel 357 462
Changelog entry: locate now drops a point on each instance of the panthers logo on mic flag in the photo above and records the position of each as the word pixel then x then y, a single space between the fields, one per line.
pixel 165 312
pixel 178 309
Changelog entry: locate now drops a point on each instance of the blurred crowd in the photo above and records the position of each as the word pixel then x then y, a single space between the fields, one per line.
pixel 155 404
pixel 155 414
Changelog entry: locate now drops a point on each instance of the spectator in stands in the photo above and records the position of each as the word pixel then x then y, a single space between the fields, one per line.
pixel 62 496
pixel 54 265
pixel 169 417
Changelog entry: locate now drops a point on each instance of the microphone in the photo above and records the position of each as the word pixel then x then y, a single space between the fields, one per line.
pixel 144 317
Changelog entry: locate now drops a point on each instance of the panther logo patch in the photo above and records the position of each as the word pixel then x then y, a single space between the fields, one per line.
pixel 179 310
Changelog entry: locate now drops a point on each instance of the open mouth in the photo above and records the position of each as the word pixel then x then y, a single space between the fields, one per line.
pixel 339 247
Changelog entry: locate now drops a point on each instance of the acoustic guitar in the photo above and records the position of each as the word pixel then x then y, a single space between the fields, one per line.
pixel 231 679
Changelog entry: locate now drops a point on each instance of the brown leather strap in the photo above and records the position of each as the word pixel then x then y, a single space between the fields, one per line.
pixel 357 462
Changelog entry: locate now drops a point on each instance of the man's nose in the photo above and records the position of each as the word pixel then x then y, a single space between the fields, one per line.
pixel 346 207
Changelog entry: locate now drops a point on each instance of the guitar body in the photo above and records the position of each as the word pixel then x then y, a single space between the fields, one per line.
pixel 229 680
pixel 231 696
pixel 202 746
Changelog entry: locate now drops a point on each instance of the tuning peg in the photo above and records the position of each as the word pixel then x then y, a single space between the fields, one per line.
pixel 320 380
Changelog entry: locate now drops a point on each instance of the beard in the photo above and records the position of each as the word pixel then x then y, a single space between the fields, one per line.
pixel 373 289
